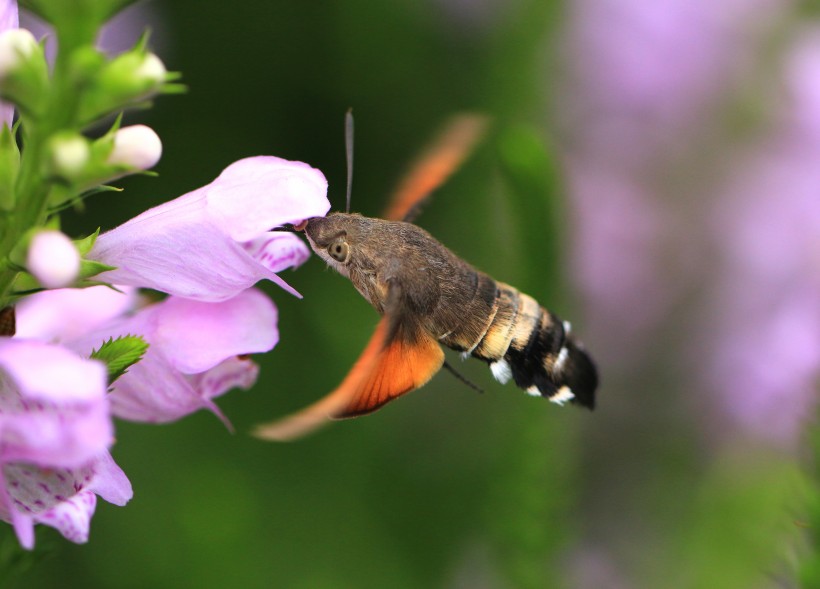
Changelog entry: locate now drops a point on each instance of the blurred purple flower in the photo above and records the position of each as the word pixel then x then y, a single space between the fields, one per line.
pixel 8 15
pixel 8 20
pixel 764 332
pixel 118 35
pixel 616 266
pixel 643 72
pixel 645 79
pixel 213 243
pixel 55 429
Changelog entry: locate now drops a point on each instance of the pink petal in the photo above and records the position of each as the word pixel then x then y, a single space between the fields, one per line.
pixel 110 481
pixel 195 336
pixel 67 313
pixel 153 392
pixel 24 528
pixel 52 435
pixel 69 378
pixel 64 499
pixel 276 250
pixel 187 340
pixel 195 245
pixel 256 194
pixel 8 15
pixel 72 517
pixel 57 416
pixel 232 373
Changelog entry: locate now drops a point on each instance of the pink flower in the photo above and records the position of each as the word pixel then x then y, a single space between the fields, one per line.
pixel 213 243
pixel 55 429
pixel 67 314
pixel 197 353
pixel 55 424
pixel 197 349
pixel 63 498
pixel 53 417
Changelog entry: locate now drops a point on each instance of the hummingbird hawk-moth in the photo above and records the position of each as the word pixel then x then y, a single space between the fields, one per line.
pixel 429 297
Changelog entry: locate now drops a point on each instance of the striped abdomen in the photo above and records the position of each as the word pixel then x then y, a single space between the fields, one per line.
pixel 523 341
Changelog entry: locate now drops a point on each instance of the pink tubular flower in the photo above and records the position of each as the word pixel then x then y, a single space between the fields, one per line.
pixel 55 426
pixel 67 314
pixel 196 353
pixel 213 243
pixel 51 417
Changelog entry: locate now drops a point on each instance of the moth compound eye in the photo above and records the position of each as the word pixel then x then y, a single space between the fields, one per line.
pixel 339 251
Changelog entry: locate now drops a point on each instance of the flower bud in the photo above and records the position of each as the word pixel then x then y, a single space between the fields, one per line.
pixel 151 69
pixel 23 70
pixel 16 46
pixel 127 79
pixel 70 154
pixel 137 147
pixel 52 259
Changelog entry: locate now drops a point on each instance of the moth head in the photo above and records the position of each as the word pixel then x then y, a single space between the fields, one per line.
pixel 336 238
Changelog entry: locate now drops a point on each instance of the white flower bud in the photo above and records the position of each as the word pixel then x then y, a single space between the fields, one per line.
pixel 136 147
pixel 152 69
pixel 52 259
pixel 69 155
pixel 15 46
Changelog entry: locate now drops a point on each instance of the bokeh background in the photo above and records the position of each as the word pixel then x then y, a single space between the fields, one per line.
pixel 653 174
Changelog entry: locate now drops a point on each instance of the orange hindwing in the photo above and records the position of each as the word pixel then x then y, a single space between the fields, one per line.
pixel 385 371
pixel 437 162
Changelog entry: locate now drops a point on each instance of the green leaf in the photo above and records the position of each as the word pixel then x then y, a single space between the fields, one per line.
pixel 119 354
pixel 90 268
pixel 173 89
pixel 84 245
pixel 77 201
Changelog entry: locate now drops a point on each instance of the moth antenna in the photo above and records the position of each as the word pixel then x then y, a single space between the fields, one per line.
pixel 461 377
pixel 349 154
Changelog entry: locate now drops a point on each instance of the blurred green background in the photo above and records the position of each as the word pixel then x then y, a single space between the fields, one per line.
pixel 447 487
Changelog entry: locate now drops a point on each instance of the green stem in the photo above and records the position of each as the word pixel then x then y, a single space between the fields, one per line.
pixel 32 188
